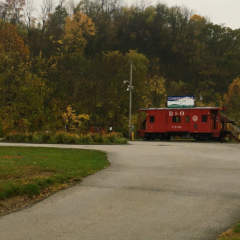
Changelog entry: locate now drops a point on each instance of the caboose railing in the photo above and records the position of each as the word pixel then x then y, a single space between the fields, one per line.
pixel 234 130
pixel 231 127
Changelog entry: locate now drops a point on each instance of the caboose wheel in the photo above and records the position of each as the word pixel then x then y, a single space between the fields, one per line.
pixel 146 137
pixel 167 137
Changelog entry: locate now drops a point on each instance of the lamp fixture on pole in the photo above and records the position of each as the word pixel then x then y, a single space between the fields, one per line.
pixel 130 87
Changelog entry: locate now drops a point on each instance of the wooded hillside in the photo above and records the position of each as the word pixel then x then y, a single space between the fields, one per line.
pixel 79 56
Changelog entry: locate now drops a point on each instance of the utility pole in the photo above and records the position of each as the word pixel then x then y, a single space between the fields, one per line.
pixel 130 100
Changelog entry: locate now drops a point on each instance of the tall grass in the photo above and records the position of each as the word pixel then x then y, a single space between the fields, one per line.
pixel 65 138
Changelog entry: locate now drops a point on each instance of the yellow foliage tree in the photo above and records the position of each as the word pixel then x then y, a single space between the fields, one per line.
pixel 197 18
pixel 156 95
pixel 77 28
pixel 73 121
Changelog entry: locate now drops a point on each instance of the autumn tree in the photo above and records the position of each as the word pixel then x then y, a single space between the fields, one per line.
pixel 54 30
pixel 156 95
pixel 22 92
pixel 103 15
pixel 110 99
pixel 77 29
pixel 74 121
pixel 13 10
pixel 81 58
pixel 232 100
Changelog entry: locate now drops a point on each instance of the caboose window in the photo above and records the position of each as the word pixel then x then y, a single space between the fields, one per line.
pixel 204 118
pixel 152 119
pixel 187 118
pixel 176 119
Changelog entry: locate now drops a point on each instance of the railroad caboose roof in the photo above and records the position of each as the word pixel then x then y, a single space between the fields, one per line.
pixel 170 109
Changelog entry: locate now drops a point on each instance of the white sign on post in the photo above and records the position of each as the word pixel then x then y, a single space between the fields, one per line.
pixel 181 102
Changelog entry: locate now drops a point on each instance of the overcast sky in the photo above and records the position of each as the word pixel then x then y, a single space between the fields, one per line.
pixel 224 12
pixel 219 11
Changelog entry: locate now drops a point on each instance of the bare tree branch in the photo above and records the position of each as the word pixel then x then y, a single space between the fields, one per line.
pixel 46 9
pixel 28 13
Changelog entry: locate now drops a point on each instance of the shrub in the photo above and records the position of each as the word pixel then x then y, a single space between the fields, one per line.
pixel 31 189
pixel 85 139
pixel 59 137
pixel 1 130
pixel 66 138
pixel 37 138
pixel 71 138
pixel 106 139
pixel 46 137
pixel 121 140
pixel 9 190
pixel 97 137
pixel 15 137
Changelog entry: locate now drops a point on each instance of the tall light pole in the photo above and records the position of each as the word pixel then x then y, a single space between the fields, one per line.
pixel 130 87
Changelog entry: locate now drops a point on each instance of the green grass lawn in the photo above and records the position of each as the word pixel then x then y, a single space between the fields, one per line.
pixel 29 171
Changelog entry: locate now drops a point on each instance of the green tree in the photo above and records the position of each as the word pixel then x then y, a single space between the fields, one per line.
pixel 232 100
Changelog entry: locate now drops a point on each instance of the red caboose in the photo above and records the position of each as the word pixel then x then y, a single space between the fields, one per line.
pixel 196 122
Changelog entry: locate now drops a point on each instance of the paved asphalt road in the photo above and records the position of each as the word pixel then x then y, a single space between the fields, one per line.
pixel 152 191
